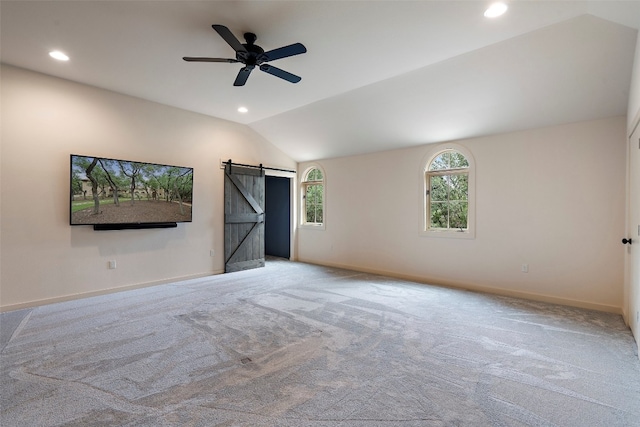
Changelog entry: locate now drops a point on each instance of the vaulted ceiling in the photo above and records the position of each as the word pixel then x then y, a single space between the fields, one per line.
pixel 378 75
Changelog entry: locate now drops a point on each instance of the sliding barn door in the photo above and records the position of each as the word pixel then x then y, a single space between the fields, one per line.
pixel 243 218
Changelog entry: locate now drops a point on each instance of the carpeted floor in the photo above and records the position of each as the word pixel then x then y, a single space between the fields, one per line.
pixel 300 345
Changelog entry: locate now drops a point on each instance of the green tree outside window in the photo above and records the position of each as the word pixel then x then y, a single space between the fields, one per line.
pixel 313 197
pixel 447 180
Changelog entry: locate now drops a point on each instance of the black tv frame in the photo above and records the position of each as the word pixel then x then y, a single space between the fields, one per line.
pixel 128 225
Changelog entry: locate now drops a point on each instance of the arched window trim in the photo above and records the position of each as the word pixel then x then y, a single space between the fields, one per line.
pixel 429 157
pixel 302 186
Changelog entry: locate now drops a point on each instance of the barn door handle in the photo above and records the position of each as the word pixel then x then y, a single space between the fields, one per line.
pixel 625 241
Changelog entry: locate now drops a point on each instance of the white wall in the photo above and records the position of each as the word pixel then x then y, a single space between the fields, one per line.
pixel 633 112
pixel 44 120
pixel 552 198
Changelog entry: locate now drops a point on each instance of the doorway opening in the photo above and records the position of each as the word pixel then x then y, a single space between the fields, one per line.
pixel 277 225
pixel 257 215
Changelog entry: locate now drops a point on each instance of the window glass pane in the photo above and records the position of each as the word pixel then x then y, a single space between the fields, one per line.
pixel 314 175
pixel 458 161
pixel 439 215
pixel 438 191
pixel 311 194
pixel 458 215
pixel 449 160
pixel 441 162
pixel 313 203
pixel 458 187
pixel 308 197
pixel 314 194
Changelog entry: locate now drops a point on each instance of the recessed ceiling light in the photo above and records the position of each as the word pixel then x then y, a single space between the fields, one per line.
pixel 495 10
pixel 243 109
pixel 56 54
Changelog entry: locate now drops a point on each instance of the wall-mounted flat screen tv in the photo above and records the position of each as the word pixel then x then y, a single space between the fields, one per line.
pixel 129 194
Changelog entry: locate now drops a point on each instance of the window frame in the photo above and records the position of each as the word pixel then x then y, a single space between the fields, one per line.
pixel 304 183
pixel 428 159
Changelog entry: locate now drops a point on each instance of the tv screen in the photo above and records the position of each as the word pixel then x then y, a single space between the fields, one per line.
pixel 112 191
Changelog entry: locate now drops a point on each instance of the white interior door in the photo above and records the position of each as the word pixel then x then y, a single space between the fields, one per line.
pixel 633 233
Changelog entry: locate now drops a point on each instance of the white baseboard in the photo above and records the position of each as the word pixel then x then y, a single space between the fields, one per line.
pixel 418 279
pixel 477 288
pixel 36 303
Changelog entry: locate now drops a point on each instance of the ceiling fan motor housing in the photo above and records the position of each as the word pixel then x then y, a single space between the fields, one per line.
pixel 254 54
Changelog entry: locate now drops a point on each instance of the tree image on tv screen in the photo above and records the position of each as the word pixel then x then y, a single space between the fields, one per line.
pixel 109 191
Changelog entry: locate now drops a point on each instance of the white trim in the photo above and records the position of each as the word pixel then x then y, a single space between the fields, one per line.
pixel 318 227
pixel 301 217
pixel 432 152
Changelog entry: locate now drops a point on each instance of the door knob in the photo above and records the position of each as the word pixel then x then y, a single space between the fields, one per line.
pixel 625 241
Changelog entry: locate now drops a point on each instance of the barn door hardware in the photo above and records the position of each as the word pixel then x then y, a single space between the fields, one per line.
pixel 260 166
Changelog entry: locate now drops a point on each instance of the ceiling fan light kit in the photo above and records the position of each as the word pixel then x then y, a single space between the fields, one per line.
pixel 252 55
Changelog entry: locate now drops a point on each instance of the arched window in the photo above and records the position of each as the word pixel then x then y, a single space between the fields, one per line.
pixel 312 187
pixel 447 193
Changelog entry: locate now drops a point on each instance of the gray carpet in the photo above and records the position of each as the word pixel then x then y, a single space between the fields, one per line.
pixel 300 345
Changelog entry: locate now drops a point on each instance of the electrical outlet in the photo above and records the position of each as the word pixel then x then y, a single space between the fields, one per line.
pixel 212 252
pixel 112 265
pixel 525 268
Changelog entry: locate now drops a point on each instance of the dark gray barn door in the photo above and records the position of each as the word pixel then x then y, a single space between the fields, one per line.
pixel 243 218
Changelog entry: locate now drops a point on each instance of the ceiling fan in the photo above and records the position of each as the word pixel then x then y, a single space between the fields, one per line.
pixel 252 55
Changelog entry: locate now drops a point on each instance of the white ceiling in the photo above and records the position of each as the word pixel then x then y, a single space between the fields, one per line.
pixel 378 75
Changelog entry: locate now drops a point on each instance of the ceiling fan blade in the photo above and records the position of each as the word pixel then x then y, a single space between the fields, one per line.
pixel 283 52
pixel 275 71
pixel 198 59
pixel 242 77
pixel 228 36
